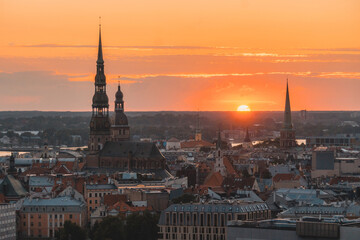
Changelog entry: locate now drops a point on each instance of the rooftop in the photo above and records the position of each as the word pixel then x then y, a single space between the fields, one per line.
pixel 56 202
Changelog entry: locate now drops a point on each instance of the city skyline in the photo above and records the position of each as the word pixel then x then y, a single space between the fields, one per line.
pixel 198 62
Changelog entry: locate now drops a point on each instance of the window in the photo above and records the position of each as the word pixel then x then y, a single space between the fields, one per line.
pixel 70 216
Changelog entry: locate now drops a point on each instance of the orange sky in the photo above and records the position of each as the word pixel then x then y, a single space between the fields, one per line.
pixel 181 55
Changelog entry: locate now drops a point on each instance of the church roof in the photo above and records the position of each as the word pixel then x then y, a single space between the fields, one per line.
pixel 13 188
pixel 136 149
pixel 214 180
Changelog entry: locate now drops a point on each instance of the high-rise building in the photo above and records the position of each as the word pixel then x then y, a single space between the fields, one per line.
pixel 287 133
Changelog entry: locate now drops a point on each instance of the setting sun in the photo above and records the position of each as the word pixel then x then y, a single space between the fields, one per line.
pixel 243 108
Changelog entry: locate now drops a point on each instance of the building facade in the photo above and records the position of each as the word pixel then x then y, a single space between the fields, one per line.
pixel 7 221
pixel 41 218
pixel 206 221
pixel 94 195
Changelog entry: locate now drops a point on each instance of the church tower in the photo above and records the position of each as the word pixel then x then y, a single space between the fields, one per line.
pixel 219 162
pixel 100 122
pixel 198 130
pixel 120 130
pixel 247 136
pixel 287 133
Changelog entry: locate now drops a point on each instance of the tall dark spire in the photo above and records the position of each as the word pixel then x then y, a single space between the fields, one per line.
pixel 100 122
pixel 218 142
pixel 287 113
pixel 247 136
pixel 287 133
pixel 100 59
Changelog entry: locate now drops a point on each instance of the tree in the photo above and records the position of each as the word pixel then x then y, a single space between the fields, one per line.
pixel 142 227
pixel 109 228
pixel 70 231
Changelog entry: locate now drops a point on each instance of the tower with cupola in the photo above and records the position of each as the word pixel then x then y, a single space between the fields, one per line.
pixel 120 130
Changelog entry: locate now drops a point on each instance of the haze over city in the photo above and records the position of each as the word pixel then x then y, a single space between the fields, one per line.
pixel 181 55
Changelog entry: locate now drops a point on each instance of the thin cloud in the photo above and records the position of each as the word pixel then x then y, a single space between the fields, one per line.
pixel 50 45
pixel 333 49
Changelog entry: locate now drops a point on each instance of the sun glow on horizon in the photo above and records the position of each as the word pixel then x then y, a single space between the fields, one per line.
pixel 243 108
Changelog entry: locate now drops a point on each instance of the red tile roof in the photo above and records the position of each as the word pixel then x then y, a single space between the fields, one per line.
pixel 336 180
pixel 123 207
pixel 214 180
pixel 285 177
pixel 196 144
pixel 110 200
pixel 229 167
pixel 35 171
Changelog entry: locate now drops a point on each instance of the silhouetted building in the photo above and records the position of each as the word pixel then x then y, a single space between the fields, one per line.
pixel 109 145
pixel 100 121
pixel 12 170
pixel 287 133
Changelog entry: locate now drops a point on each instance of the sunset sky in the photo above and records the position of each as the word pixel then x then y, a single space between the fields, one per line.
pixel 181 55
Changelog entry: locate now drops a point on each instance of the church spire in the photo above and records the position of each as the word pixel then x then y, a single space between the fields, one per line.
pixel 247 136
pixel 218 142
pixel 287 133
pixel 287 113
pixel 100 59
